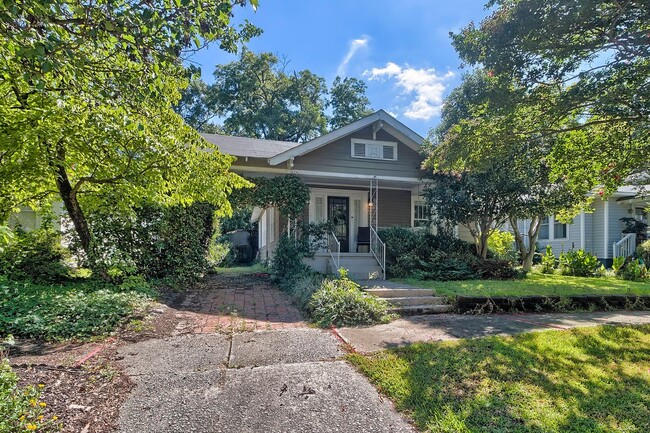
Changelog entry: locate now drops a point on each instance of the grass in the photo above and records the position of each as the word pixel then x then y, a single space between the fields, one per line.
pixel 582 380
pixel 77 310
pixel 535 284
pixel 242 270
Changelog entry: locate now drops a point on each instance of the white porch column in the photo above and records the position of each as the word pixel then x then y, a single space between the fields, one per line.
pixel 606 245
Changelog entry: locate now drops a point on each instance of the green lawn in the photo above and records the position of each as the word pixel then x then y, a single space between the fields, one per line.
pixel 242 270
pixel 535 284
pixel 583 380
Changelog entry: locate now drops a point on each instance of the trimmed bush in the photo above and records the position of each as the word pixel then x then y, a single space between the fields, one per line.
pixel 36 255
pixel 341 302
pixel 579 263
pixel 635 270
pixel 170 243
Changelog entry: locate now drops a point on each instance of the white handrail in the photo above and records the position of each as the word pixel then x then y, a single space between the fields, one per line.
pixel 625 247
pixel 378 249
pixel 337 259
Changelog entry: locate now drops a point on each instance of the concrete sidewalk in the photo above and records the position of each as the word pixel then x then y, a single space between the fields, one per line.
pixel 440 327
pixel 266 381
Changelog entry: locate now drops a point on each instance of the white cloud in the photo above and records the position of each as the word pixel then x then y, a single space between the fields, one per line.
pixel 355 46
pixel 426 85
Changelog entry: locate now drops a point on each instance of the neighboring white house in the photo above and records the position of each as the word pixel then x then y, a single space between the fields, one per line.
pixel 600 230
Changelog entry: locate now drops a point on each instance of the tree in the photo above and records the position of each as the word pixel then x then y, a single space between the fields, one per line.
pixel 475 135
pixel 482 201
pixel 194 108
pixel 259 99
pixel 586 60
pixel 349 102
pixel 86 109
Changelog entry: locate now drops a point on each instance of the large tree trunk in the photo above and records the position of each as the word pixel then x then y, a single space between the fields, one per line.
pixel 69 196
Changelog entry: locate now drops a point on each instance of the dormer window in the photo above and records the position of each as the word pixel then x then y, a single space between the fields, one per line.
pixel 373 149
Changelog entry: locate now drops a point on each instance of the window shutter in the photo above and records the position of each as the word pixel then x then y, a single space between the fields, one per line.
pixel 360 149
pixel 389 152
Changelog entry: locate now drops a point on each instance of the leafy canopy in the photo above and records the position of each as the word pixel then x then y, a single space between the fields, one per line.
pixel 585 69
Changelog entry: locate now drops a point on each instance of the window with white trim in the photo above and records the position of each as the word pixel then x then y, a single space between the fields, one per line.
pixel 421 214
pixel 551 229
pixel 373 149
pixel 262 230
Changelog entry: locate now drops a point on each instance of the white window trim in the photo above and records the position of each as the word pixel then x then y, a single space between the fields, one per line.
pixel 393 144
pixel 414 200
pixel 551 230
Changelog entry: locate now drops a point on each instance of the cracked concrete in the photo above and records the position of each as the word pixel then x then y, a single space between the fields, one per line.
pixel 268 381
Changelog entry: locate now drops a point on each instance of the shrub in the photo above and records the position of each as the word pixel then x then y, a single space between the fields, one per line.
pixel 426 256
pixel 74 310
pixel 500 243
pixel 20 408
pixel 287 266
pixel 617 264
pixel 170 243
pixel 643 252
pixel 548 261
pixel 497 269
pixel 578 263
pixel 635 271
pixel 341 302
pixel 36 255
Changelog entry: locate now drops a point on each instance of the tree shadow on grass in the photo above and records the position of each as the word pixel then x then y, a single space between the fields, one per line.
pixel 587 380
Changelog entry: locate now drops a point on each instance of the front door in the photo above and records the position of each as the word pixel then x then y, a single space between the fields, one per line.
pixel 338 212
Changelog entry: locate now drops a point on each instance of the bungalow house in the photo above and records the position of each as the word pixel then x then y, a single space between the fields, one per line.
pixel 363 176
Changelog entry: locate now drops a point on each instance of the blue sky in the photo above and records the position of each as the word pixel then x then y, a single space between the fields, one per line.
pixel 400 48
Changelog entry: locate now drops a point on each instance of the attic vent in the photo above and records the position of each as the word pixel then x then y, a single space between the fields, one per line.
pixel 374 149
pixel 389 152
pixel 359 150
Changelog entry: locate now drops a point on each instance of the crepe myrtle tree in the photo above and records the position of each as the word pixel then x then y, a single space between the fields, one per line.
pixel 85 114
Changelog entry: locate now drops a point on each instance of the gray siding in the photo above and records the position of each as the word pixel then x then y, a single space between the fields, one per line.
pixel 394 208
pixel 336 158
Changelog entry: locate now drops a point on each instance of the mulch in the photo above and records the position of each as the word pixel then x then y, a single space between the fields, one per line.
pixel 84 386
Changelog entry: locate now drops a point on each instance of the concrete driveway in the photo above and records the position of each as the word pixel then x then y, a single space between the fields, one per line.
pixel 266 381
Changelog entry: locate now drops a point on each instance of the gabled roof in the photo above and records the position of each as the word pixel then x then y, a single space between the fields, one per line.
pixel 248 147
pixel 388 122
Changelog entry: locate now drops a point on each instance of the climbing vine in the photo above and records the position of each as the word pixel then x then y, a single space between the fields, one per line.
pixel 288 193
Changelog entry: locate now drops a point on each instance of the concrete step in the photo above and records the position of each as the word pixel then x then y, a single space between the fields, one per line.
pixel 417 300
pixel 414 310
pixel 382 292
pixel 365 275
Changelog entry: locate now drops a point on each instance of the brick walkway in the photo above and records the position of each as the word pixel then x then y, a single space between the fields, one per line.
pixel 237 303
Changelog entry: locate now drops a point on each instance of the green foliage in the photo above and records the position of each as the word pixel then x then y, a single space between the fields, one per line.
pixel 643 252
pixel 257 98
pixel 287 266
pixel 635 270
pixel 441 257
pixel 87 115
pixel 158 242
pixel 501 244
pixel 341 302
pixel 72 310
pixel 617 265
pixel 302 288
pixel 549 262
pixel 579 263
pixel 20 406
pixel 348 101
pixel 595 105
pixel 478 200
pixel 287 193
pixel 552 381
pixel 6 237
pixel 36 255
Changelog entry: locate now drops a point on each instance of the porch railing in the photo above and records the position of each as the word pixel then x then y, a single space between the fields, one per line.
pixel 378 249
pixel 625 247
pixel 334 248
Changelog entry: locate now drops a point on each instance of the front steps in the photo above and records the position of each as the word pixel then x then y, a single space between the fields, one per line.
pixel 408 301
